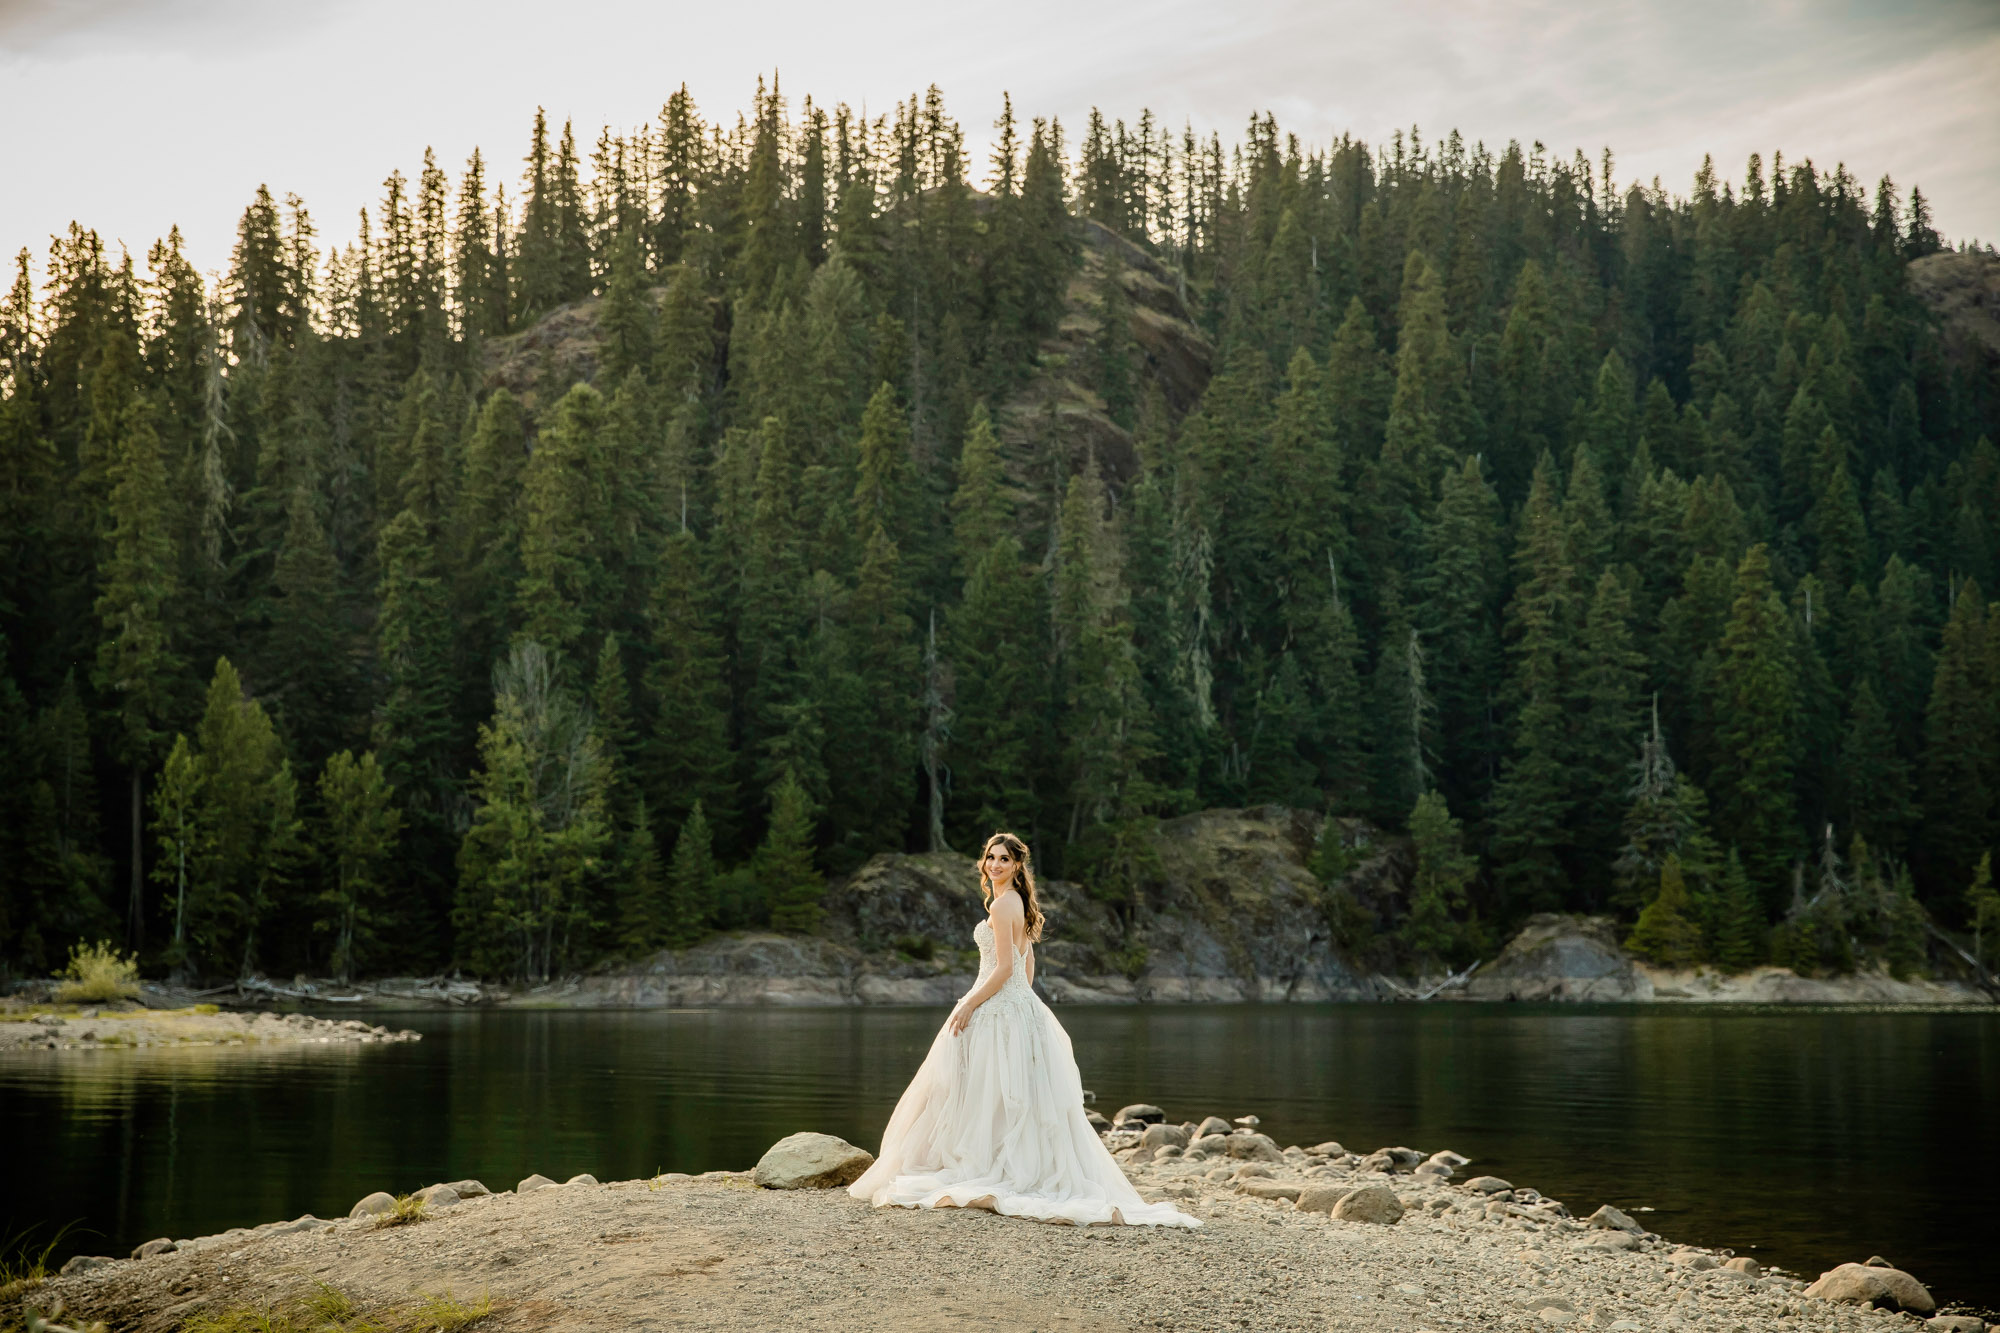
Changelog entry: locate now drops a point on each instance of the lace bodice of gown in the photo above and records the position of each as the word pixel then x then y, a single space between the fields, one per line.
pixel 989 958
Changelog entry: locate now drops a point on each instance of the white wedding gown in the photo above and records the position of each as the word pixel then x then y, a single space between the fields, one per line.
pixel 996 1113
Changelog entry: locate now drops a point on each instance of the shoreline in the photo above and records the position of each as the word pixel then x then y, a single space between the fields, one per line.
pixel 1293 1238
pixel 129 1026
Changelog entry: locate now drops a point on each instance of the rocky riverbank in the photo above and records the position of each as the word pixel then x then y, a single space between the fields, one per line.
pixel 31 1027
pixel 1294 1238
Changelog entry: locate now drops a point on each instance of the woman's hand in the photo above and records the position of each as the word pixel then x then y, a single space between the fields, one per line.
pixel 959 1018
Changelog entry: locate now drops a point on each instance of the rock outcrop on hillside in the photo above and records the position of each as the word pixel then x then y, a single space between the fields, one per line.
pixel 1962 288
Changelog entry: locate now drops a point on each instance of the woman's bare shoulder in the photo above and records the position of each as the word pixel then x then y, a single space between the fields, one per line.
pixel 1008 905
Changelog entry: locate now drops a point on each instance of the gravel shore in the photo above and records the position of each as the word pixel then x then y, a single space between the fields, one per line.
pixel 49 1028
pixel 716 1252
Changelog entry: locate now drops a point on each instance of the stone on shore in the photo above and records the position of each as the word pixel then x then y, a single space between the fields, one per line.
pixel 581 1178
pixel 1883 1288
pixel 1164 1136
pixel 1142 1111
pixel 1944 1323
pixel 469 1189
pixel 809 1161
pixel 1488 1185
pixel 1373 1203
pixel 373 1205
pixel 1327 1149
pixel 1322 1198
pixel 1276 1190
pixel 1612 1240
pixel 152 1248
pixel 84 1263
pixel 1214 1124
pixel 534 1182
pixel 1097 1121
pixel 438 1196
pixel 1254 1147
pixel 1692 1260
pixel 1607 1216
pixel 1745 1265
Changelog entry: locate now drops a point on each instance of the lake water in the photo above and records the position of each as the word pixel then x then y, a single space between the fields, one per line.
pixel 1806 1138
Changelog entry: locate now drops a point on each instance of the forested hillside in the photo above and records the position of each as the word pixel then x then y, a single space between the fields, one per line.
pixel 578 561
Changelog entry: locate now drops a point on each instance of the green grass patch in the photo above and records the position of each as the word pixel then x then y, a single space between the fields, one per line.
pixel 98 974
pixel 327 1309
pixel 409 1208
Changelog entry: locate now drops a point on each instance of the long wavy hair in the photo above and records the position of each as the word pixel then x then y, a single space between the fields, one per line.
pixel 1024 880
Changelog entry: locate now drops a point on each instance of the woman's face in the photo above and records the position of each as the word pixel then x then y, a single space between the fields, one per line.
pixel 1000 865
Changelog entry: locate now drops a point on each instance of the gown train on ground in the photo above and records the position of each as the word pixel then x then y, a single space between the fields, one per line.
pixel 994 1118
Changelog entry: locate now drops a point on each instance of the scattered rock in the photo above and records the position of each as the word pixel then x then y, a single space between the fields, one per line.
pixel 807 1160
pixel 1745 1265
pixel 1877 1261
pixel 1248 1121
pixel 1151 1115
pixel 1692 1260
pixel 1255 1147
pixel 1607 1216
pixel 1322 1198
pixel 373 1205
pixel 1883 1288
pixel 1443 1157
pixel 1373 1203
pixel 1214 1124
pixel 438 1196
pixel 1381 1162
pixel 1327 1149
pixel 1164 1136
pixel 581 1178
pixel 1612 1240
pixel 153 1248
pixel 1270 1189
pixel 1489 1185
pixel 1432 1171
pixel 1944 1323
pixel 84 1263
pixel 303 1222
pixel 534 1182
pixel 1097 1120
pixel 1212 1143
pixel 1250 1170
pixel 469 1189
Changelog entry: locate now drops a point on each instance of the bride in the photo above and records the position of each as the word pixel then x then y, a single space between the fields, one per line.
pixel 994 1117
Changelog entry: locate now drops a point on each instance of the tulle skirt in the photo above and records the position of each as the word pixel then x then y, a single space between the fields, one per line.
pixel 994 1119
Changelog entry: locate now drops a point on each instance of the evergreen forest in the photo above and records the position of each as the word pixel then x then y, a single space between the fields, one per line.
pixel 590 555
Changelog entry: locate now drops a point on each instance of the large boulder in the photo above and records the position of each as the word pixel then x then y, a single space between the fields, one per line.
pixel 438 1196
pixel 809 1161
pixel 1610 1218
pixel 1213 1124
pixel 373 1205
pixel 1561 957
pixel 1164 1136
pixel 1322 1198
pixel 1372 1203
pixel 1883 1288
pixel 1252 1147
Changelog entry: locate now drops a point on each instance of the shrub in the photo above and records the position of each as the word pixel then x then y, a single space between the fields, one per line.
pixel 97 974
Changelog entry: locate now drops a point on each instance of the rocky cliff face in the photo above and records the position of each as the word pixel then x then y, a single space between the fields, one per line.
pixel 1235 916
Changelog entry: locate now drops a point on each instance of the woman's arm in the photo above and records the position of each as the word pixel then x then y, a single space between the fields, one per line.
pixel 1007 927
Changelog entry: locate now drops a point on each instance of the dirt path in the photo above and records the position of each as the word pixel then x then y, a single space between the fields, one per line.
pixel 717 1253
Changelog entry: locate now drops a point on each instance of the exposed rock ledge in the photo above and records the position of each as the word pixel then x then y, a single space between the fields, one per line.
pixel 45 1027
pixel 1559 957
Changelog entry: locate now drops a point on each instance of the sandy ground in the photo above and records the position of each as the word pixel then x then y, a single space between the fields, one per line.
pixel 72 1027
pixel 715 1252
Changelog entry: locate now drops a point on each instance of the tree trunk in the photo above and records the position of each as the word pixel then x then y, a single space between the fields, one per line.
pixel 135 923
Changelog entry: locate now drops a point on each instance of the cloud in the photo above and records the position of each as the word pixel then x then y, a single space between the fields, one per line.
pixel 78 29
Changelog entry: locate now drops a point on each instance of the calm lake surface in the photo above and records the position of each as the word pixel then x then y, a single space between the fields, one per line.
pixel 1805 1138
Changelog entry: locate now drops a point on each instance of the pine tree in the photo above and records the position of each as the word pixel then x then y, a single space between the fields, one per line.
pixel 180 839
pixel 535 847
pixel 1533 800
pixel 361 835
pixel 1982 906
pixel 1752 703
pixel 1607 684
pixel 1739 919
pixel 687 756
pixel 691 881
pixel 1962 741
pixel 136 661
pixel 1667 932
pixel 1438 886
pixel 644 907
pixel 790 882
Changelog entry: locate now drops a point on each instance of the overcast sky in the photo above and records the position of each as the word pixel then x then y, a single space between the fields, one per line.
pixel 133 115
